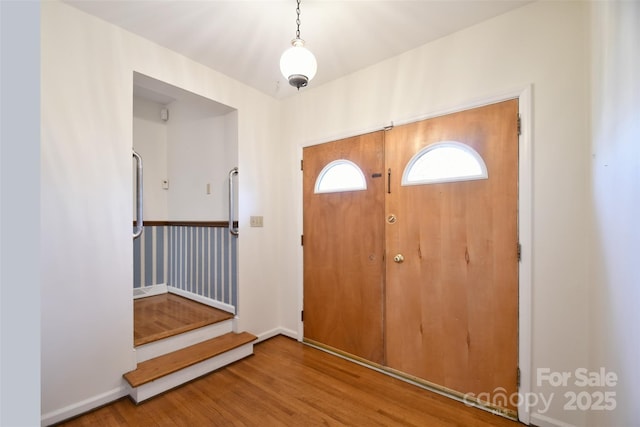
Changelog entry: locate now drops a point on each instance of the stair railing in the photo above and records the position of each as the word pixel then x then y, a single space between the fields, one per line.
pixel 234 231
pixel 137 231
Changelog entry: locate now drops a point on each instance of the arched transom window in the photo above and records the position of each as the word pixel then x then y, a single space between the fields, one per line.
pixel 445 161
pixel 340 175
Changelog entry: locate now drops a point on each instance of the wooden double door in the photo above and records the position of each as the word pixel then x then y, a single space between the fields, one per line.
pixel 420 278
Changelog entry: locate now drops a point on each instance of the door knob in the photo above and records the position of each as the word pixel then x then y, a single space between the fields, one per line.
pixel 398 258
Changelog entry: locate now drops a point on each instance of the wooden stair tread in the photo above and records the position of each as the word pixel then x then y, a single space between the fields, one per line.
pixel 162 316
pixel 159 367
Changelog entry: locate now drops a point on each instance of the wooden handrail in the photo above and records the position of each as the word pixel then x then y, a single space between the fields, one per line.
pixel 220 224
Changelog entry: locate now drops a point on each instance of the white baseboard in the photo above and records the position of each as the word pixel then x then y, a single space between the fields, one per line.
pixel 275 332
pixel 541 420
pixel 83 406
pixel 147 291
pixel 289 333
pixel 208 301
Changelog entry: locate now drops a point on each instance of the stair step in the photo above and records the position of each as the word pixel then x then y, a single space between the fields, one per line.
pixel 176 342
pixel 162 316
pixel 167 364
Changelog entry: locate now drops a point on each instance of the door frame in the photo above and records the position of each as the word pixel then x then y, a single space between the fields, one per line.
pixel 525 224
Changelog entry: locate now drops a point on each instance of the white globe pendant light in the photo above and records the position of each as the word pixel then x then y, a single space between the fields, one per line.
pixel 297 64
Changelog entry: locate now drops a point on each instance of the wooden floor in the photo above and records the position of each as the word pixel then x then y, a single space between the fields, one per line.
pixel 286 383
pixel 165 315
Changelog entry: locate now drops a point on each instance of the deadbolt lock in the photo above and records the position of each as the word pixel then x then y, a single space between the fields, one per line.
pixel 391 219
pixel 398 258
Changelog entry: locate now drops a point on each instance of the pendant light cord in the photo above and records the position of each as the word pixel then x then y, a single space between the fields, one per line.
pixel 298 20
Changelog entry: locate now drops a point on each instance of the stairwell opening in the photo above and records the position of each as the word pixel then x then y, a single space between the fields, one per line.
pixel 188 144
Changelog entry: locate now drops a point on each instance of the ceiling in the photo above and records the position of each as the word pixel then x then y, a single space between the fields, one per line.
pixel 244 39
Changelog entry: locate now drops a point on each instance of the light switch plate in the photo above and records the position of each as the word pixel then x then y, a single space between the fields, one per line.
pixel 255 221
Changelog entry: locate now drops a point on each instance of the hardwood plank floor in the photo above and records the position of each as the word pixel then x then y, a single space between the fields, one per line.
pixel 165 315
pixel 286 383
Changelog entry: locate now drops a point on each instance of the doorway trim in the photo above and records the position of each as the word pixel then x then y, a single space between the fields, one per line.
pixel 524 94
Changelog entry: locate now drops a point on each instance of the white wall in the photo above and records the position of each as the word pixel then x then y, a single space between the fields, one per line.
pixel 615 175
pixel 199 154
pixel 544 44
pixel 86 204
pixel 197 146
pixel 150 141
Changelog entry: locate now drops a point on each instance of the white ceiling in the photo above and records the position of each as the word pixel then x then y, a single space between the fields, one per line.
pixel 244 39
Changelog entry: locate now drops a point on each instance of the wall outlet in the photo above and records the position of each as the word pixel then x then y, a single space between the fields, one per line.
pixel 255 221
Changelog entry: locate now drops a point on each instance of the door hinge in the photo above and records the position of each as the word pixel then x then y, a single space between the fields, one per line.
pixel 519 125
pixel 519 252
pixel 518 377
pixel 302 240
pixel 302 315
pixel 301 165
